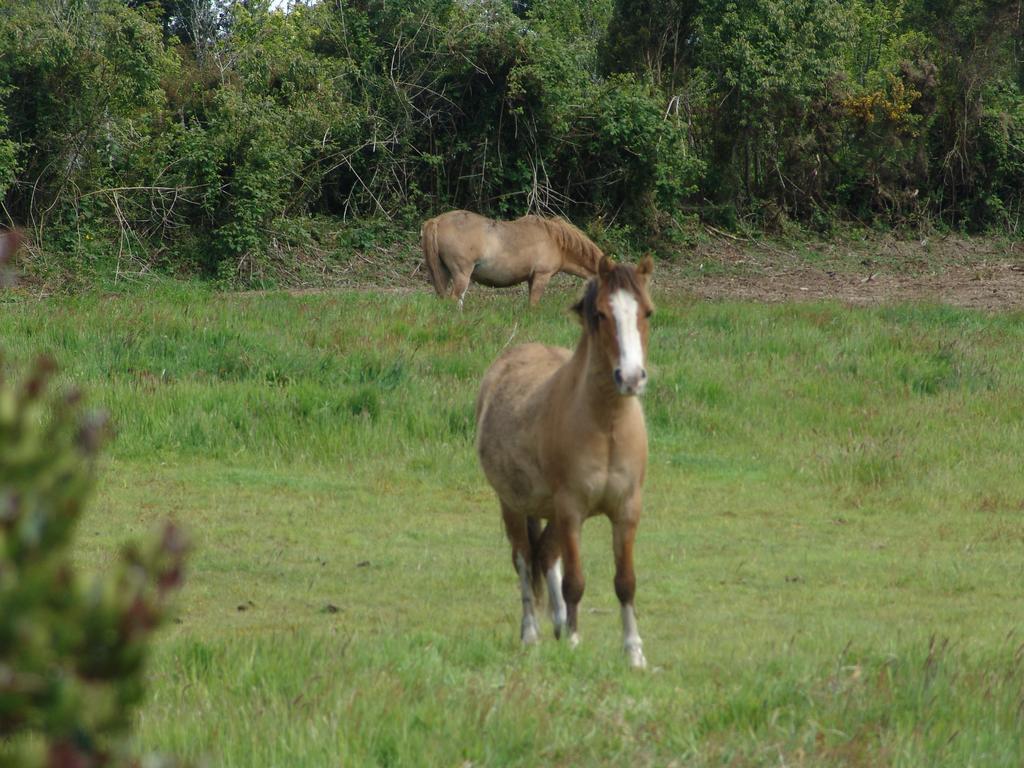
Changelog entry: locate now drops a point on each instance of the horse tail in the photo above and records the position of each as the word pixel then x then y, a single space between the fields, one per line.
pixel 439 274
pixel 533 531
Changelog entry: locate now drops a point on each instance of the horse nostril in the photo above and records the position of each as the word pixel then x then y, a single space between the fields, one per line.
pixel 617 373
pixel 643 374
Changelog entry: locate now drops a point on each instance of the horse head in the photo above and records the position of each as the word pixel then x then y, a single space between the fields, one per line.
pixel 616 311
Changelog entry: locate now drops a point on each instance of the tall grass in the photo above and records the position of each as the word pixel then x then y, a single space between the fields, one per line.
pixel 830 559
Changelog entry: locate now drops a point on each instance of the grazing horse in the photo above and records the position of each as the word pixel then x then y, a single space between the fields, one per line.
pixel 459 246
pixel 561 438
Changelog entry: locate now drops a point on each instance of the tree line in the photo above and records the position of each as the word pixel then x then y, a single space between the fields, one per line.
pixel 195 132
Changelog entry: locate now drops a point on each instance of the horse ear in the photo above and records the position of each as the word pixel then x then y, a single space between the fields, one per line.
pixel 605 266
pixel 578 309
pixel 584 308
pixel 645 267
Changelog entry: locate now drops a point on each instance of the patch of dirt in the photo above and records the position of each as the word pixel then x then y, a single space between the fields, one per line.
pixel 996 287
pixel 980 273
pixel 976 272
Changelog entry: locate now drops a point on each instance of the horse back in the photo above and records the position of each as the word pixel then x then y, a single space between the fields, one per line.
pixel 515 377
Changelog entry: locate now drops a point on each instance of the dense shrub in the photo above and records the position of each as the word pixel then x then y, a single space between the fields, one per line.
pixel 204 131
pixel 79 80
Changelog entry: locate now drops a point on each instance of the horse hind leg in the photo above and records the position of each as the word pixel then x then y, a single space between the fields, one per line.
pixel 460 284
pixel 522 559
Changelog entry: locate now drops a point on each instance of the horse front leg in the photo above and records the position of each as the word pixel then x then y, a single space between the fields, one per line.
pixel 538 282
pixel 570 521
pixel 623 535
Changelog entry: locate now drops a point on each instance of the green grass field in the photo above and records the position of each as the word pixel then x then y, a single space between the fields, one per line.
pixel 830 563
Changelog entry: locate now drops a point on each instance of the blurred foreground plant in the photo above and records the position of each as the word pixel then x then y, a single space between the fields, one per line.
pixel 71 656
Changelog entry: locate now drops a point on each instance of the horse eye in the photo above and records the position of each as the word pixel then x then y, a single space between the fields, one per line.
pixel 648 313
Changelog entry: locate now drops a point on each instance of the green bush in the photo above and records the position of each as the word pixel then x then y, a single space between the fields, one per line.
pixel 79 81
pixel 72 656
pixel 204 142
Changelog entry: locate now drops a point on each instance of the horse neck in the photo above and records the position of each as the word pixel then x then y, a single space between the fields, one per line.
pixel 593 386
pixel 575 262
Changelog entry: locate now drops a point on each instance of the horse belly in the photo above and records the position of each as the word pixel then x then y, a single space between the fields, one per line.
pixel 491 271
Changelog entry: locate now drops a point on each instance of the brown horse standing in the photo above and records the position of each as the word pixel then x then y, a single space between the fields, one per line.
pixel 459 246
pixel 561 437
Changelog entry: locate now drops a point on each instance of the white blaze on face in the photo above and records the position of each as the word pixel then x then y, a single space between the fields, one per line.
pixel 631 352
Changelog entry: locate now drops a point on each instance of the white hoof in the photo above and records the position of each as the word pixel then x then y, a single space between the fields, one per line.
pixel 635 657
pixel 574 640
pixel 558 621
pixel 529 634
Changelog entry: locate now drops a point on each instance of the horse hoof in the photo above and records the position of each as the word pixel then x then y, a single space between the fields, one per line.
pixel 636 658
pixel 558 631
pixel 529 635
pixel 574 639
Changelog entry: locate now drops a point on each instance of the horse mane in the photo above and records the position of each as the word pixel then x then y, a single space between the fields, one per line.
pixel 572 240
pixel 622 276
